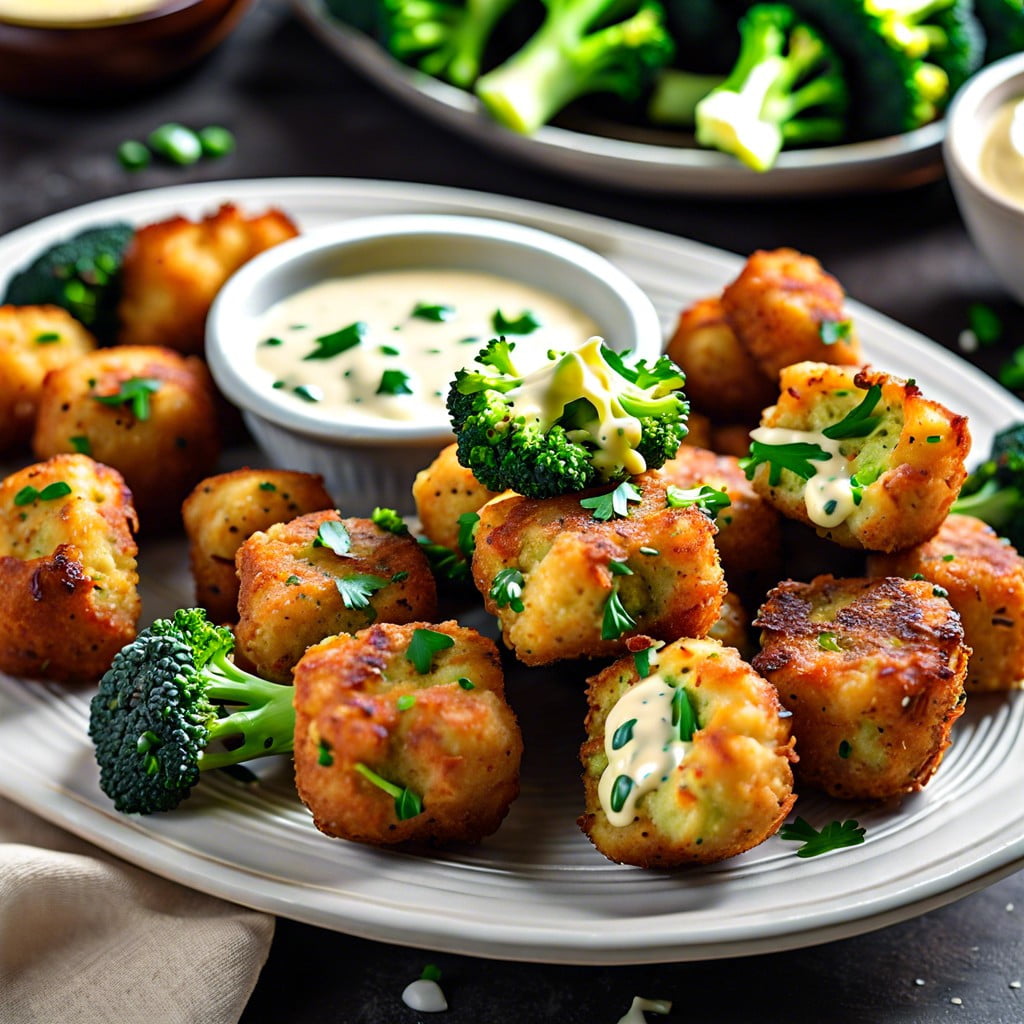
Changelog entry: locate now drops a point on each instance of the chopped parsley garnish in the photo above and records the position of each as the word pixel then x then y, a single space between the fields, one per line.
pixel 525 323
pixel 431 973
pixel 216 141
pixel 466 684
pixel 29 494
pixel 400 577
pixel 133 392
pixel 623 734
pixel 614 504
pixel 438 312
pixel 467 527
pixel 330 345
pixel 444 562
pixel 649 551
pixel 933 439
pixel 619 568
pixel 917 576
pixel 940 592
pixel 710 500
pixel 324 756
pixel 684 714
pixel 845 749
pixel 425 643
pixel 828 642
pixel 407 803
pixel 507 589
pixel 389 350
pixel 831 331
pixel 47 338
pixel 388 519
pixel 798 457
pixel 308 393
pixel 858 422
pixel 81 444
pixel 834 836
pixel 621 789
pixel 335 536
pixel 394 382
pixel 271 342
pixel 356 591
pixel 406 701
pixel 266 485
pixel 616 620
pixel 948 558
pixel 133 155
pixel 292 581
pixel 642 661
pixel 175 143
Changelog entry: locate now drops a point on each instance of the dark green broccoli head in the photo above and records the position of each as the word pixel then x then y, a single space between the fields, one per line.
pixel 82 275
pixel 581 419
pixel 166 697
pixel 149 723
pixel 994 492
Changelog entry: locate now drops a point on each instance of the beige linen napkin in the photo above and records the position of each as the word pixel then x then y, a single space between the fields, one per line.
pixel 89 939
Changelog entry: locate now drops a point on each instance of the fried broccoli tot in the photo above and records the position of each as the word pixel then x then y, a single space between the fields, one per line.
pixel 872 671
pixel 318 575
pixel 984 578
pixel 68 579
pixel 148 412
pixel 687 758
pixel 402 734
pixel 225 510
pixel 860 455
pixel 173 270
pixel 785 309
pixel 33 341
pixel 574 577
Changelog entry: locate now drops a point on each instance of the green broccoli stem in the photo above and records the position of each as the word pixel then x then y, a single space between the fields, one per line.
pixel 994 504
pixel 564 60
pixel 676 95
pixel 265 718
pixel 757 109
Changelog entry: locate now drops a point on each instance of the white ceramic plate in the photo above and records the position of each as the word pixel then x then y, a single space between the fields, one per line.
pixel 536 890
pixel 646 159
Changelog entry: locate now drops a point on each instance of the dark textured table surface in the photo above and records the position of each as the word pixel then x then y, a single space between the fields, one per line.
pixel 297 111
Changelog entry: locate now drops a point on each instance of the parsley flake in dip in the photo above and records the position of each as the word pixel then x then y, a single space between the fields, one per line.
pixel 386 344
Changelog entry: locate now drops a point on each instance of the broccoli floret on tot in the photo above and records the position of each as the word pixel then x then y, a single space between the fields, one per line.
pixel 578 50
pixel 583 418
pixel 164 704
pixel 994 492
pixel 787 87
pixel 82 275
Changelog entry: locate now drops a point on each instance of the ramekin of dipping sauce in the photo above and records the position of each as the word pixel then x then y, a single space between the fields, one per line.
pixel 339 346
pixel 984 152
pixel 101 49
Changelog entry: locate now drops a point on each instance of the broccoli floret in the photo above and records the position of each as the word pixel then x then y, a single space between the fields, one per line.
pixel 582 47
pixel 583 418
pixel 788 87
pixel 82 275
pixel 1003 25
pixel 444 38
pixel 994 492
pixel 168 696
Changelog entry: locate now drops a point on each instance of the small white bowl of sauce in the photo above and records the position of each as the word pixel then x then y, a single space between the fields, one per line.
pixel 340 345
pixel 984 152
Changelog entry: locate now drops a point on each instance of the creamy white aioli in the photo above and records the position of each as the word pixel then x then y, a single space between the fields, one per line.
pixel 1001 161
pixel 426 353
pixel 650 756
pixel 425 996
pixel 72 13
pixel 831 480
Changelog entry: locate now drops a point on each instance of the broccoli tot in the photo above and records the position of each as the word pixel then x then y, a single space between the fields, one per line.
pixel 82 275
pixel 168 695
pixel 787 87
pixel 994 492
pixel 583 418
pixel 579 49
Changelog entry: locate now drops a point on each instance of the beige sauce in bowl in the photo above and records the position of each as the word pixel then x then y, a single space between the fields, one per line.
pixel 1001 162
pixel 386 345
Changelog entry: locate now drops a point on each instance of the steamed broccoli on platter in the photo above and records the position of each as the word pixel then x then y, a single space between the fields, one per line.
pixel 81 274
pixel 443 38
pixel 166 703
pixel 582 47
pixel 582 418
pixel 1003 24
pixel 994 492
